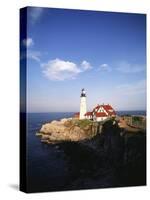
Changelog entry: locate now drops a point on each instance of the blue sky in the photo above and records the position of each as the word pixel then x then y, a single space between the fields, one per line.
pixel 68 50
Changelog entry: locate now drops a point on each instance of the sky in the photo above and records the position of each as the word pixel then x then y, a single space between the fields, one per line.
pixel 68 50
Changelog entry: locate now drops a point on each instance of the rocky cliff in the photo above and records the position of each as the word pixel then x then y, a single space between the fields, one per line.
pixel 104 156
pixel 67 130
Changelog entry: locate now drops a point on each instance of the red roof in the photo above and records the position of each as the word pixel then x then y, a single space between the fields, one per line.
pixel 109 111
pixel 97 107
pixel 76 114
pixel 108 108
pixel 101 114
pixel 88 113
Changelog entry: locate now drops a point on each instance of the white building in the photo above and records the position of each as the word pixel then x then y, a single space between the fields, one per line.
pixel 103 112
pixel 88 115
pixel 99 113
pixel 82 104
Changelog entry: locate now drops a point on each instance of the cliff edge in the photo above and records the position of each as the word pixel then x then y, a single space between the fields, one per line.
pixel 67 129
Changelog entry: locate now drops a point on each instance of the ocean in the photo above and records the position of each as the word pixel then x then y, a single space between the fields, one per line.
pixel 48 166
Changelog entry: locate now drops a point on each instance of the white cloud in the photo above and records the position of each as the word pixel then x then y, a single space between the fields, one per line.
pixel 60 70
pixel 104 67
pixel 64 70
pixel 34 55
pixel 86 65
pixel 35 14
pixel 125 67
pixel 132 89
pixel 30 54
pixel 28 42
pixel 131 96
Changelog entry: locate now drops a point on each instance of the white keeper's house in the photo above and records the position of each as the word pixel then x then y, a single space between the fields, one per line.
pixel 99 113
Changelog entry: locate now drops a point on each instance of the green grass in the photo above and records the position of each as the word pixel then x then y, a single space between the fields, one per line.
pixel 136 118
pixel 83 123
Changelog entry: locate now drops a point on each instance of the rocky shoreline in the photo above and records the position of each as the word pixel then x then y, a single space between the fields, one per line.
pixel 73 130
pixel 67 129
pixel 104 156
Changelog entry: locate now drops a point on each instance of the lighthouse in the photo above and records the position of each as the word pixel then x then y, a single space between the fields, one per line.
pixel 82 104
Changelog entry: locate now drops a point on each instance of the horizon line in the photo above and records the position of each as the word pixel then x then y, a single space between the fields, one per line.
pixel 77 111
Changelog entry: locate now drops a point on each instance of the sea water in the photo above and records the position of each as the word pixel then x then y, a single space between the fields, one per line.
pixel 47 166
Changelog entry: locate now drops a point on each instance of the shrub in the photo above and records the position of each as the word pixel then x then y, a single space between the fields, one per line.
pixel 83 123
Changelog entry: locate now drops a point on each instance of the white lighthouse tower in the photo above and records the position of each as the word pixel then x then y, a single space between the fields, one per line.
pixel 82 104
